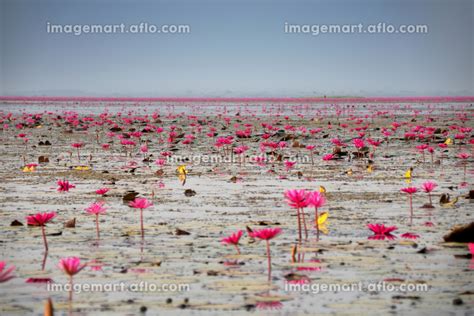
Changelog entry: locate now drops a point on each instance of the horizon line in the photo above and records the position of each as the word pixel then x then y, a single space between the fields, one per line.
pixel 355 99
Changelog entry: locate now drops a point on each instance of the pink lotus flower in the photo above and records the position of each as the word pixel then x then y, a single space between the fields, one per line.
pixel 298 199
pixel 39 280
pixel 260 160
pixel 311 149
pixel 289 165
pixel 471 248
pixel 128 142
pixel 78 147
pixel 337 142
pixel 328 157
pixel 64 186
pixel 428 187
pixel 410 191
pixel 410 236
pixel 267 234
pixel 102 191
pixel 160 162
pixel 373 142
pixel 95 265
pixel 310 268
pixel 463 155
pixel 6 274
pixel 233 240
pixel 71 266
pixel 381 231
pixel 96 209
pixel 141 203
pixel 240 149
pixel 358 143
pixel 317 200
pixel 40 219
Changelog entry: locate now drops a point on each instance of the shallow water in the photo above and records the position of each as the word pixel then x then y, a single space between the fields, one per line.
pixel 221 207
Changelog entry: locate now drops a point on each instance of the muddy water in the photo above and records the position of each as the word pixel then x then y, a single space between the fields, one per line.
pixel 223 205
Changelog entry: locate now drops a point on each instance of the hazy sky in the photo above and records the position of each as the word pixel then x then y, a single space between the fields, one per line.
pixel 236 48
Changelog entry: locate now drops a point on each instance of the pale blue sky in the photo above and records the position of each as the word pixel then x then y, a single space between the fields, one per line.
pixel 236 48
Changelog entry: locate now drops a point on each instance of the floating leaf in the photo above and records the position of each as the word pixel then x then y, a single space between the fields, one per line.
pixel 189 192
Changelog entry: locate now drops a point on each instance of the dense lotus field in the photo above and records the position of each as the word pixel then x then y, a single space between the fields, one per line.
pixel 348 208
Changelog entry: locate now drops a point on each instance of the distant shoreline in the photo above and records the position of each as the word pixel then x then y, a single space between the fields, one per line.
pixel 442 99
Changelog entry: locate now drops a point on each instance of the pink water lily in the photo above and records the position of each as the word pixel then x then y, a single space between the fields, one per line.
pixel 381 231
pixel 64 186
pixel 410 191
pixel 410 236
pixel 6 274
pixel 298 199
pixel 141 204
pixel 428 187
pixel 328 157
pixel 233 240
pixel 464 157
pixel 289 165
pixel 311 148
pixel 267 234
pixel 102 191
pixel 96 209
pixel 40 219
pixel 160 162
pixel 71 266
pixel 78 146
pixel 317 200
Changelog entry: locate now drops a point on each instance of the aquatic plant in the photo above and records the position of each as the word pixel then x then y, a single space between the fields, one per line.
pixel 317 200
pixel 64 186
pixel 410 191
pixel 233 240
pixel 41 219
pixel 381 231
pixel 298 199
pixel 428 187
pixel 71 266
pixel 141 204
pixel 6 274
pixel 96 209
pixel 267 234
